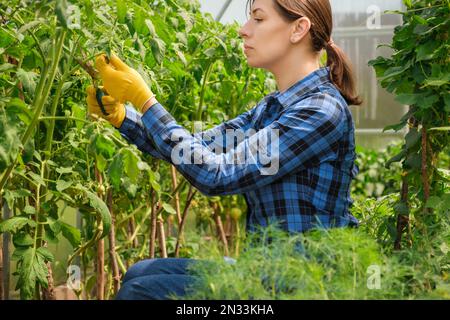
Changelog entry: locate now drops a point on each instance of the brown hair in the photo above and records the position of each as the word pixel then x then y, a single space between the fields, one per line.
pixel 319 12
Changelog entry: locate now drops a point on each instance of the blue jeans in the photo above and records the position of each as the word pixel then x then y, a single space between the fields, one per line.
pixel 157 279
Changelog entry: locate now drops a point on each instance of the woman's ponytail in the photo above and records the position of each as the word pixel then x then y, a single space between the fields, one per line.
pixel 341 73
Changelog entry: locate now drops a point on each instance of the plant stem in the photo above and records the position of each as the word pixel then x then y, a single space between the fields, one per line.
pixel 100 251
pixel 1 254
pixel 402 220
pixel 425 181
pixel 49 292
pixel 198 116
pixel 112 245
pixel 219 227
pixel 44 87
pixel 161 237
pixel 64 119
pixel 190 196
pixel 176 196
pixel 237 237
pixel 152 226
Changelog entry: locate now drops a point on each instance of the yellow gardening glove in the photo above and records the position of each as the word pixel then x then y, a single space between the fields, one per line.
pixel 114 108
pixel 122 82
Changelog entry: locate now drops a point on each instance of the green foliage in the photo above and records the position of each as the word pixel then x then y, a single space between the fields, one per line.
pixel 418 73
pixel 335 264
pixel 51 154
pixel 374 180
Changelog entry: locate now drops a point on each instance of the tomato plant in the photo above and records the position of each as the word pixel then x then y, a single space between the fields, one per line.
pixel 51 152
pixel 418 73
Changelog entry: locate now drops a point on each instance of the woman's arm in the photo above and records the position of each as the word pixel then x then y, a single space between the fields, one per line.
pixel 305 135
pixel 134 132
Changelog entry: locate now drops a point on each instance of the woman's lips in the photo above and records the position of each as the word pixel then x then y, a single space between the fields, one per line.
pixel 247 48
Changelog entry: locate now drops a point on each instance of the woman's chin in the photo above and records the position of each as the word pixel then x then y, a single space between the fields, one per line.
pixel 253 63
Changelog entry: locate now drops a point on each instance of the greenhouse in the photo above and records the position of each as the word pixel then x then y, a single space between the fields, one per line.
pixel 224 150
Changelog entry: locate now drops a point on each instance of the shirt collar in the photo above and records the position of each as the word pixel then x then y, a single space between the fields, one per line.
pixel 303 86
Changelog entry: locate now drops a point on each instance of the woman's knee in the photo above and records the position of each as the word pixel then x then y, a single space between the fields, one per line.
pixel 158 266
pixel 156 287
pixel 138 269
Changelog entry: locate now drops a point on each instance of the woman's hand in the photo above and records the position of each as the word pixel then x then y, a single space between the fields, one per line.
pixel 114 108
pixel 122 82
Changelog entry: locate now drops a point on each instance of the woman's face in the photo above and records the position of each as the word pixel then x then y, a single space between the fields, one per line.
pixel 266 35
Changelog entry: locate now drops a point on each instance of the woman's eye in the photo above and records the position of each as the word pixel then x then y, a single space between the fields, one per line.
pixel 258 20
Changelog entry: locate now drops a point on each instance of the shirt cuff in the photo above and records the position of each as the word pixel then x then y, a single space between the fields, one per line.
pixel 156 120
pixel 131 118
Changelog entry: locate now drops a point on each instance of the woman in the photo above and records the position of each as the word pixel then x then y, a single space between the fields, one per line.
pixel 303 183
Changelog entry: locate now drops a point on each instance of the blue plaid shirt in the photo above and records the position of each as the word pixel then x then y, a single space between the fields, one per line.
pixel 316 157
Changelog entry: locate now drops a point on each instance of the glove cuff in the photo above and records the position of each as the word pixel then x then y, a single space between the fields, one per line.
pixel 142 102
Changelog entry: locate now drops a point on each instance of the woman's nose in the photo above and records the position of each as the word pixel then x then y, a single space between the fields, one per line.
pixel 243 31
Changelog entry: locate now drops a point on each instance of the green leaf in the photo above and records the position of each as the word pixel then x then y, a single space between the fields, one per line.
pixel 22 239
pixel 158 49
pixel 68 15
pixel 29 210
pixel 62 185
pixel 399 157
pixel 103 145
pixel 63 170
pixel 395 127
pixel 28 79
pixel 45 254
pixel 72 234
pixel 130 187
pixel 210 52
pixel 412 138
pixel 6 67
pixel 61 12
pixel 409 99
pixel 395 71
pixel 18 253
pixel 32 269
pixel 54 225
pixel 18 107
pixel 401 208
pixel 433 202
pixel 66 86
pixel 115 171
pixel 130 164
pixel 426 51
pixel 102 210
pixel 36 178
pixel 440 129
pixel 447 102
pixel 121 11
pixel 151 27
pixel 427 102
pixel 16 223
pixel 168 208
pixel 413 161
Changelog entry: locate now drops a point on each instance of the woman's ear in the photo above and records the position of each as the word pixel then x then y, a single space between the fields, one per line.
pixel 300 28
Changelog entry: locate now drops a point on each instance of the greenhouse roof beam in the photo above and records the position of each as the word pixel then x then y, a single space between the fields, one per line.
pixel 223 10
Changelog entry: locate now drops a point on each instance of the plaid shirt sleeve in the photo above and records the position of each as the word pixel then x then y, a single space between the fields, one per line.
pixel 134 132
pixel 308 133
